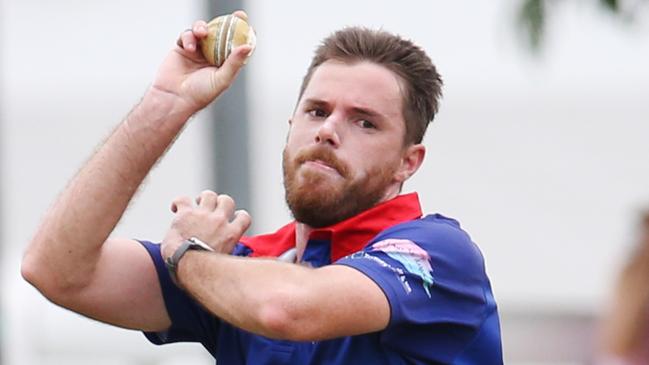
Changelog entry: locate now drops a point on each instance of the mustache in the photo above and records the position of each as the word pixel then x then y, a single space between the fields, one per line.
pixel 325 155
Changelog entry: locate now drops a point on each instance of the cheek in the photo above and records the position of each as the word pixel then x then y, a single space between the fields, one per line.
pixel 297 138
pixel 372 162
pixel 293 140
pixel 362 165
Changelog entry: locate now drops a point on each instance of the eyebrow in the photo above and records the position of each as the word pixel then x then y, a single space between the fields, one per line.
pixel 315 102
pixel 368 113
pixel 356 110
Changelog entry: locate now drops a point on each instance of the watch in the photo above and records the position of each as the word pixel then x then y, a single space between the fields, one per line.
pixel 172 261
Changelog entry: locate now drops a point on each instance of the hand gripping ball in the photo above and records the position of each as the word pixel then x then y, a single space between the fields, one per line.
pixel 226 33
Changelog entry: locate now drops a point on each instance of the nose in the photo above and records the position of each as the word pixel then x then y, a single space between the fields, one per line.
pixel 327 132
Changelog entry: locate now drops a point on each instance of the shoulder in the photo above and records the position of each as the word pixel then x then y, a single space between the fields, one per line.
pixel 430 259
pixel 436 234
pixel 430 227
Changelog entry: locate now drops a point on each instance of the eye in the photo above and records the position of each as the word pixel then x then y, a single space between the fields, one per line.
pixel 317 113
pixel 366 124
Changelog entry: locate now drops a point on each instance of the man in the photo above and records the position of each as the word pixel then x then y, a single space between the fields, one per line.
pixel 372 281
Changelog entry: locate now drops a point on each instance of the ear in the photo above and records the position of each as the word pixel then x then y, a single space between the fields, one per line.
pixel 290 126
pixel 412 158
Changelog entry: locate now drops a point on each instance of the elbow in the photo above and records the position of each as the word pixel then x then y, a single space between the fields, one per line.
pixel 273 321
pixel 37 272
pixel 28 270
pixel 34 264
pixel 284 319
pixel 34 273
pixel 31 270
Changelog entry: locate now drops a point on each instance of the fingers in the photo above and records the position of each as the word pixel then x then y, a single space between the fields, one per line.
pixel 226 204
pixel 212 220
pixel 199 28
pixel 187 41
pixel 241 14
pixel 189 38
pixel 207 199
pixel 241 221
pixel 180 203
pixel 212 201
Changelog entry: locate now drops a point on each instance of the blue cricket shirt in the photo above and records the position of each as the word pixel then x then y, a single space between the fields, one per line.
pixel 442 307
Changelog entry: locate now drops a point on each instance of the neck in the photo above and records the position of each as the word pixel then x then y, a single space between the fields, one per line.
pixel 303 230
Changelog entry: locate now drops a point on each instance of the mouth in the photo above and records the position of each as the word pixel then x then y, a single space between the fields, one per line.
pixel 322 166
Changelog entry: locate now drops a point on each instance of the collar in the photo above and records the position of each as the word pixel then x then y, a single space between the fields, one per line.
pixel 346 237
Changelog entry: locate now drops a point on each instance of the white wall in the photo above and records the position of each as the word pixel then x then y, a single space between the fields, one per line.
pixel 542 158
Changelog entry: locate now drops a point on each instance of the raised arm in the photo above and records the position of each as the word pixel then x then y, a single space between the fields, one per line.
pixel 71 260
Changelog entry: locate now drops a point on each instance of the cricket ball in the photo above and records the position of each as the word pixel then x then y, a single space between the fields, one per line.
pixel 226 33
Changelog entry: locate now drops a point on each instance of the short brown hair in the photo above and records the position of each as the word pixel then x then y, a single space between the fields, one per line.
pixel 423 85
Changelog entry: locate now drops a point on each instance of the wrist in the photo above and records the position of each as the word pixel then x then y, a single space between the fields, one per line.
pixel 173 262
pixel 159 109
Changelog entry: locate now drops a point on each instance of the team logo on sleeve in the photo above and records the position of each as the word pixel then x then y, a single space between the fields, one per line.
pixel 413 258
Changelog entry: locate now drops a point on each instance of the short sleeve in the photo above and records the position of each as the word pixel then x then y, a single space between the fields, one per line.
pixel 434 279
pixel 189 321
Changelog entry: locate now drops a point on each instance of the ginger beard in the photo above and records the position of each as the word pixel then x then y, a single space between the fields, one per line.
pixel 319 200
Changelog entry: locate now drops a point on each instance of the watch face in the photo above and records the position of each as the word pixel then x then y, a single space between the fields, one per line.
pixel 196 243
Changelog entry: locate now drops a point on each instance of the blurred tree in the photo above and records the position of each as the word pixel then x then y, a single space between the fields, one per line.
pixel 533 14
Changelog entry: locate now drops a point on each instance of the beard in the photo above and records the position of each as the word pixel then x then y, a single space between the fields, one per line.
pixel 318 201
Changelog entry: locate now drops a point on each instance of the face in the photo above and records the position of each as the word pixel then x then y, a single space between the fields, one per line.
pixel 345 151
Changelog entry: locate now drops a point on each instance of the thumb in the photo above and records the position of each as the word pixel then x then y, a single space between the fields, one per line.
pixel 233 64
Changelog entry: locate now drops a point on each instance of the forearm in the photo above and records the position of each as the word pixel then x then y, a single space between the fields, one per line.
pixel 67 245
pixel 285 301
pixel 263 296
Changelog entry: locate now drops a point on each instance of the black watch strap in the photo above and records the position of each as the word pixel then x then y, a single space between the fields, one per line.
pixel 172 261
